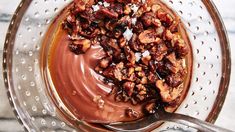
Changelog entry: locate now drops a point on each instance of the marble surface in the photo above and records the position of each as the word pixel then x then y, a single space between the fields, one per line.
pixel 226 118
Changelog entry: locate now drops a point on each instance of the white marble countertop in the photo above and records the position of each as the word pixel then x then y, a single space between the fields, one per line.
pixel 226 118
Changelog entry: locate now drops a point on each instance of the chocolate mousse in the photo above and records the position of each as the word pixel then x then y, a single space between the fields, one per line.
pixel 117 60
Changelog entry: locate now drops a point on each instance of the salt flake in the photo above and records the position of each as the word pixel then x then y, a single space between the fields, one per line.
pixel 137 56
pixel 128 34
pixel 100 3
pixel 135 8
pixel 95 7
pixel 146 53
pixel 134 20
pixel 106 4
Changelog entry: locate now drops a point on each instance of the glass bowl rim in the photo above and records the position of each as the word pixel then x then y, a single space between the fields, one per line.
pixel 211 8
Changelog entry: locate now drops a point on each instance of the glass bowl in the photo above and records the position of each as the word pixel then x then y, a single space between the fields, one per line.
pixel 27 90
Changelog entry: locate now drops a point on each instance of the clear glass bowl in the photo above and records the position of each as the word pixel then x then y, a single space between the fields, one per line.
pixel 27 91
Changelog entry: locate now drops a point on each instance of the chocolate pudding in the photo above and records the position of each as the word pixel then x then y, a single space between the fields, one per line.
pixel 97 84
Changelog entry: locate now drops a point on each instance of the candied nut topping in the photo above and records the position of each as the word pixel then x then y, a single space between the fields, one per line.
pixel 144 50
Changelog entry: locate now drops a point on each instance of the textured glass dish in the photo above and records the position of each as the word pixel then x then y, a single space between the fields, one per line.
pixel 27 89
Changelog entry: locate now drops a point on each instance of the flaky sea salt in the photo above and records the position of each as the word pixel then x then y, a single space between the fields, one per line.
pixel 128 34
pixel 133 20
pixel 146 53
pixel 106 4
pixel 135 8
pixel 137 56
pixel 100 3
pixel 95 7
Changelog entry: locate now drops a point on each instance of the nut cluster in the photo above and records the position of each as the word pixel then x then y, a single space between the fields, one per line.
pixel 144 51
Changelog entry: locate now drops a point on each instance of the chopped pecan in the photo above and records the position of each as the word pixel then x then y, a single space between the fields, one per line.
pixel 71 19
pixel 174 26
pixel 161 14
pixel 104 63
pixel 123 22
pixel 133 43
pixel 118 8
pixel 117 33
pixel 155 8
pixel 159 31
pixel 169 19
pixel 168 94
pixel 138 27
pixel 105 12
pixel 138 68
pixel 102 31
pixel 90 33
pixel 146 59
pixel 147 36
pixel 87 15
pixel 116 72
pixel 164 90
pixel 109 72
pixel 168 35
pixel 132 77
pixel 157 23
pixel 122 42
pixel 111 45
pixel 144 80
pixel 127 9
pixel 129 87
pixel 147 18
pixel 152 78
pixel 152 66
pixel 172 58
pixel 131 70
pixel 80 46
pixel 175 67
pixel 159 51
pixel 174 80
pixel 80 5
pixel 130 55
pixel 179 45
pixel 161 69
pixel 141 89
pixel 110 25
pixel 172 68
